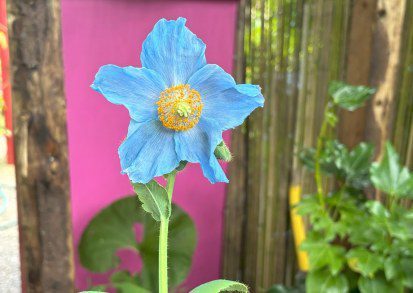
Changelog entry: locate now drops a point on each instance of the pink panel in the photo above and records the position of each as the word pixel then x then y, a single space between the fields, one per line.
pixel 97 32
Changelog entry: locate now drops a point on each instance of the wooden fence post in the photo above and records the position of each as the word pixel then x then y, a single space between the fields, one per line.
pixel 358 61
pixel 39 117
pixel 386 63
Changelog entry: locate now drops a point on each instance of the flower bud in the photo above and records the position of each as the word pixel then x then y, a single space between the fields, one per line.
pixel 222 152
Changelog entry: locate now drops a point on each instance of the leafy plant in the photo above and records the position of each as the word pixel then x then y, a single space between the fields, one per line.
pixel 356 243
pixel 112 229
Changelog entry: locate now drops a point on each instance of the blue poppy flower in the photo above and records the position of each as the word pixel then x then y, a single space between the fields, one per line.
pixel 179 105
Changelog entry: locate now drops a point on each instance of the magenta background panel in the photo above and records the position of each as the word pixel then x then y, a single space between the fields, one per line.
pixel 98 32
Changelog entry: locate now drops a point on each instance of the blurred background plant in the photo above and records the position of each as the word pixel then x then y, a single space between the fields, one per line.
pixel 113 229
pixel 355 242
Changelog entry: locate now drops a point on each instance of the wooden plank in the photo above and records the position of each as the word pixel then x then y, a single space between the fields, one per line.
pixel 359 52
pixel 386 61
pixel 235 205
pixel 39 118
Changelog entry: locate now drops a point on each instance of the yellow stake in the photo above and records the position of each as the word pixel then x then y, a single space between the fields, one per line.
pixel 298 227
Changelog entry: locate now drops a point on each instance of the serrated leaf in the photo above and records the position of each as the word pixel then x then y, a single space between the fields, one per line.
pixel 363 261
pixel 351 167
pixel 323 282
pixel 348 96
pixel 389 177
pixel 377 208
pixel 391 267
pixel 407 268
pixel 356 165
pixel 323 254
pixel 378 285
pixel 113 229
pixel 154 199
pixel 309 204
pixel 220 286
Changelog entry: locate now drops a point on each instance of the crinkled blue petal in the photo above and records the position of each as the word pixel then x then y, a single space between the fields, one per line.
pixel 137 89
pixel 228 109
pixel 173 51
pixel 148 151
pixel 225 104
pixel 210 80
pixel 197 145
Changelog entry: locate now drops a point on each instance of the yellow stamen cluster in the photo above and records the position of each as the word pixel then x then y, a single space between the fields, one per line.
pixel 179 107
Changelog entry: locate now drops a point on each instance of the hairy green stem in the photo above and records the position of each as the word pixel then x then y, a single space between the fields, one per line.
pixel 163 256
pixel 320 141
pixel 163 239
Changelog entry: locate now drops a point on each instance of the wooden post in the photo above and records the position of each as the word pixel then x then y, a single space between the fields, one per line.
pixel 358 60
pixel 5 77
pixel 233 244
pixel 386 61
pixel 39 118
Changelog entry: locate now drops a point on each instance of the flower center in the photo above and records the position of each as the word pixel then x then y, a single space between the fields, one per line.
pixel 179 107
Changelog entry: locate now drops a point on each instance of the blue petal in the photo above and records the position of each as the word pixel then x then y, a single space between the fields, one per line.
pixel 148 151
pixel 210 80
pixel 197 145
pixel 229 108
pixel 225 104
pixel 173 51
pixel 137 89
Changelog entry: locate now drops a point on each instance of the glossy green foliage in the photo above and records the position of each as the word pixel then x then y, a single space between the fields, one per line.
pixel 390 177
pixel 348 96
pixel 355 243
pixel 348 166
pixel 112 229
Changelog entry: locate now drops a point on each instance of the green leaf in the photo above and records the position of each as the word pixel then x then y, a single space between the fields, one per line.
pixel 323 254
pixel 347 96
pixel 331 118
pixel 406 265
pixel 181 166
pixel 323 282
pixel 113 229
pixel 378 285
pixel 351 167
pixel 377 208
pixel 220 286
pixel 356 165
pixel 125 283
pixel 154 199
pixel 390 177
pixel 363 261
pixel 309 204
pixel 391 267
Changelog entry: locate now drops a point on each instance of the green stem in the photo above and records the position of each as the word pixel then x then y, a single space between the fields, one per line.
pixel 320 141
pixel 163 239
pixel 163 256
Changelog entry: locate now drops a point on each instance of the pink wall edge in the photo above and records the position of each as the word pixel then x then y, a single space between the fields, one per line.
pixel 98 32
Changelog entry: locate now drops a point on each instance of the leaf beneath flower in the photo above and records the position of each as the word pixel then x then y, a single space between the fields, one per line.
pixel 154 199
pixel 220 286
pixel 113 229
